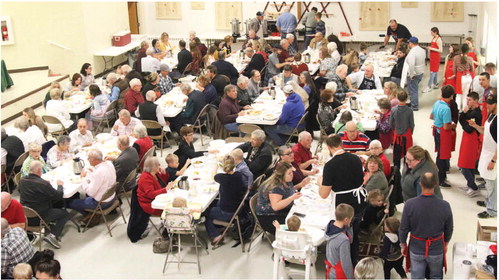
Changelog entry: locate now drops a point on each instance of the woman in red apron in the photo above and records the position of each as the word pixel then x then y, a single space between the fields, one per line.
pixel 435 49
pixel 449 77
pixel 472 53
pixel 463 68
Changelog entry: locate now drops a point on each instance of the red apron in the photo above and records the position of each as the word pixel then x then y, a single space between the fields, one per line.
pixel 434 57
pixel 449 73
pixel 469 151
pixel 428 242
pixel 338 269
pixel 445 142
pixel 458 89
pixel 472 54
pixel 399 140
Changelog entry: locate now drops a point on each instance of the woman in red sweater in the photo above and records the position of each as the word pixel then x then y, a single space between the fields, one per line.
pixel 153 181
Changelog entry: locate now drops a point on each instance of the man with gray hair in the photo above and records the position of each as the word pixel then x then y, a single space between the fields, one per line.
pixel 284 55
pixel 339 78
pixel 301 151
pixel 229 109
pixel 81 137
pixel 257 62
pixel 318 42
pixel 124 124
pixel 259 155
pixel 96 181
pixel 39 195
pixel 152 112
pixel 243 98
pixel 195 103
pixel 242 167
pixel 144 46
pixel 352 140
pixel 150 63
pixel 226 68
pixel 254 89
pixel 133 96
pixel 364 79
pixel 165 82
pixel 29 133
pixel 127 161
pixel 111 79
pixel 291 40
pixel 16 248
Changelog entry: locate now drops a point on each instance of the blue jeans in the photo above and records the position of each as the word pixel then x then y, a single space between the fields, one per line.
pixel 469 175
pixel 308 37
pixel 491 199
pixel 433 262
pixel 433 79
pixel 413 89
pixel 88 203
pixel 275 133
pixel 232 127
pixel 218 214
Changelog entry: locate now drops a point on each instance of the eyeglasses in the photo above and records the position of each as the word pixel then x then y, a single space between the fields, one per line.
pixel 408 159
pixel 287 154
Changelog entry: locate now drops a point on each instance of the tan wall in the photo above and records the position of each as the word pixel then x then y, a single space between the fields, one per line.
pixel 83 27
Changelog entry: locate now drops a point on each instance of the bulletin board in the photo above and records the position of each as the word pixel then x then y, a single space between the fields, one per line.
pixel 409 4
pixel 447 11
pixel 225 12
pixel 374 15
pixel 197 5
pixel 168 10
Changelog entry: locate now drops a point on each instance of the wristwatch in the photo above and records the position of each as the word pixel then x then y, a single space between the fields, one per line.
pixel 493 161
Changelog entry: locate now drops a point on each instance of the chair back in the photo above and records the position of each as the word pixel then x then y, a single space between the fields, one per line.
pixel 252 204
pixel 235 140
pixel 202 115
pixel 177 220
pixel 300 126
pixel 294 246
pixel 109 192
pixel 51 120
pixel 112 107
pixel 31 213
pixel 149 153
pixel 322 130
pixel 17 179
pixel 257 182
pixel 46 147
pixel 20 160
pixel 131 177
pixel 187 68
pixel 247 129
pixel 153 125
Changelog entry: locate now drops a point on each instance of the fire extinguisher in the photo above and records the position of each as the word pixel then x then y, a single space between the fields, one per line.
pixel 5 33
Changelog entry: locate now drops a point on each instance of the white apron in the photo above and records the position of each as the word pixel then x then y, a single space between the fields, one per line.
pixel 488 150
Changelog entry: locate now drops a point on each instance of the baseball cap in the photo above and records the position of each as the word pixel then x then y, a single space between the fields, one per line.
pixel 287 89
pixel 413 40
pixel 259 14
pixel 492 99
pixel 164 67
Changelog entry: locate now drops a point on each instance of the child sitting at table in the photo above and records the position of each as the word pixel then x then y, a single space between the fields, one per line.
pixel 391 251
pixel 375 209
pixel 293 224
pixel 172 169
pixel 339 235
pixel 180 202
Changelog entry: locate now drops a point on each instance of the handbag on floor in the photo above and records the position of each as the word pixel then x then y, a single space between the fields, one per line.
pixel 160 245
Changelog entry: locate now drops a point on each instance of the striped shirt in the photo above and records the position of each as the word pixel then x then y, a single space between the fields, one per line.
pixel 361 143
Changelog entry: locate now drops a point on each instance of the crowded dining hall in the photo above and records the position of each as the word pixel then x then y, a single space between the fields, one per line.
pixel 249 139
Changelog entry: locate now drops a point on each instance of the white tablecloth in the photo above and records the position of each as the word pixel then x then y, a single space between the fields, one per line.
pixel 462 251
pixel 368 103
pixel 382 61
pixel 172 103
pixel 265 110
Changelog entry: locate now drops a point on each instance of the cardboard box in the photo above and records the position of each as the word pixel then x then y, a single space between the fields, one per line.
pixel 122 38
pixel 486 232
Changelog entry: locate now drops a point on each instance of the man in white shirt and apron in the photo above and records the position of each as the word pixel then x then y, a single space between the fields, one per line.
pixel 488 157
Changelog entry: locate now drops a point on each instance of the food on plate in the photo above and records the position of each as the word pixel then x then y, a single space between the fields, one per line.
pixel 113 154
pixel 168 103
pixel 254 113
pixel 197 162
pixel 75 180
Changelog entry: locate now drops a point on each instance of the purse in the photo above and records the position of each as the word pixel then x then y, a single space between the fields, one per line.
pixel 160 245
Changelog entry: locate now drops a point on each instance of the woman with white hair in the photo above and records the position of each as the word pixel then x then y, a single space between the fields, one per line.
pixel 35 151
pixel 369 268
pixel 143 142
pixel 152 182
pixel 59 154
pixel 28 133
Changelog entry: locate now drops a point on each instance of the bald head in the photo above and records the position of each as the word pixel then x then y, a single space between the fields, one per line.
pixel 6 198
pixel 351 130
pixel 35 167
pixel 123 142
pixel 151 96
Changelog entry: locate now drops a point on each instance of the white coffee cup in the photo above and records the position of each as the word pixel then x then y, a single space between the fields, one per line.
pixel 466 268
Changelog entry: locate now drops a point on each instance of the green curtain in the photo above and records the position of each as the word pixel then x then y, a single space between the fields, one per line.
pixel 6 79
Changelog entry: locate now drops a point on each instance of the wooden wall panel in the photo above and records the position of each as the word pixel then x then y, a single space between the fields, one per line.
pixel 168 10
pixel 374 15
pixel 225 12
pixel 447 11
pixel 197 5
pixel 409 4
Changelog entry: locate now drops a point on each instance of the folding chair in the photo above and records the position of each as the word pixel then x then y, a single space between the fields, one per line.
pixel 159 137
pixel 53 120
pixel 103 212
pixel 247 129
pixel 202 121
pixel 149 153
pixel 233 221
pixel 322 137
pixel 17 164
pixel 35 229
pixel 109 116
pixel 295 247
pixel 235 140
pixel 179 221
pixel 299 128
pixel 121 190
pixel 253 202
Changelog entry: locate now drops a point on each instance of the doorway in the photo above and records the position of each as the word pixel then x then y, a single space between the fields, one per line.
pixel 133 17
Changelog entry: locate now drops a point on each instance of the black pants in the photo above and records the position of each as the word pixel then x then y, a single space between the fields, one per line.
pixel 58 216
pixel 387 267
pixel 354 247
pixel 469 175
pixel 441 163
pixel 266 222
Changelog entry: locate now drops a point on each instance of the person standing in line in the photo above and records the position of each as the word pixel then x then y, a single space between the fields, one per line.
pixel 463 72
pixel 309 21
pixel 442 133
pixel 427 221
pixel 435 50
pixel 286 23
pixel 488 157
pixel 414 67
pixel 449 78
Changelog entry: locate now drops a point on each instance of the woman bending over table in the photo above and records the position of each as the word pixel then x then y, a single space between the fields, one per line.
pixel 152 182
pixel 232 190
pixel 276 196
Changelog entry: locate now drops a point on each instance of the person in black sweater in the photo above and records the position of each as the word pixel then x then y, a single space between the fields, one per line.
pixel 257 62
pixel 426 217
pixel 218 81
pixel 12 148
pixel 374 211
pixel 226 68
pixel 259 155
pixel 232 190
pixel 186 148
pixel 396 73
pixel 391 252
pixel 184 57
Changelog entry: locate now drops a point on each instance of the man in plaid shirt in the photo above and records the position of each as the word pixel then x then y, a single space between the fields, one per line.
pixel 16 248
pixel 165 82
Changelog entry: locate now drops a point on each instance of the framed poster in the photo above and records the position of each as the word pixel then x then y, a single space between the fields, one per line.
pixel 197 5
pixel 447 11
pixel 225 12
pixel 374 15
pixel 7 31
pixel 168 10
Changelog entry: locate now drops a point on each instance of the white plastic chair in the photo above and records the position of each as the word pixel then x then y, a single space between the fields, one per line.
pixel 294 247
